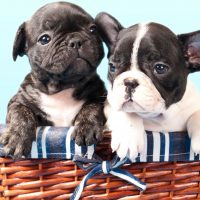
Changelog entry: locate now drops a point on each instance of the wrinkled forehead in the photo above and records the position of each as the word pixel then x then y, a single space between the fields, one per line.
pixel 60 14
pixel 62 10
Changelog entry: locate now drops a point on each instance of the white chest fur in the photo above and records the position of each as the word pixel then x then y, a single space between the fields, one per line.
pixel 61 107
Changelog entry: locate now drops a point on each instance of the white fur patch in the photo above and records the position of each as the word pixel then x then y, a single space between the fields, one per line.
pixel 127 132
pixel 60 107
pixel 193 127
pixel 143 28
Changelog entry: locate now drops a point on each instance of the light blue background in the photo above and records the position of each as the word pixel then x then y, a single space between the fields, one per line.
pixel 179 15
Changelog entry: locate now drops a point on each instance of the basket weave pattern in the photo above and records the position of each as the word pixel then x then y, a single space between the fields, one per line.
pixel 57 179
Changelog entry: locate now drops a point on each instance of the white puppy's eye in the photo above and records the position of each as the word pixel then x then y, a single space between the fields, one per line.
pixel 112 68
pixel 160 68
pixel 93 28
pixel 44 39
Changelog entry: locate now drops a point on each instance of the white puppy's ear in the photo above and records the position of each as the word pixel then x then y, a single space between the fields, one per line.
pixel 191 48
pixel 20 42
pixel 108 28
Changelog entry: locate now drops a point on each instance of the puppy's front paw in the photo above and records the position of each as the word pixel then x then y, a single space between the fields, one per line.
pixel 87 133
pixel 126 143
pixel 195 143
pixel 15 145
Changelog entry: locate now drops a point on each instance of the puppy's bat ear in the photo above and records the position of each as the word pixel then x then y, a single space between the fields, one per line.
pixel 108 28
pixel 191 48
pixel 20 42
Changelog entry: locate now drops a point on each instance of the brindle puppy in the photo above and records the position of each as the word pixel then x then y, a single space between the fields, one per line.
pixel 63 88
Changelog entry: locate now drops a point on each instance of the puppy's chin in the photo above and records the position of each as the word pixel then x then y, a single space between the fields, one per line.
pixel 55 69
pixel 79 66
pixel 144 111
pixel 133 107
pixel 137 109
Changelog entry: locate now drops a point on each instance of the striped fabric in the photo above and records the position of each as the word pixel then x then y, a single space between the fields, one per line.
pixel 172 146
pixel 54 142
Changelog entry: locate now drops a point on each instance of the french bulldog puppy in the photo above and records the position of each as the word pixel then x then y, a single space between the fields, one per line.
pixel 149 90
pixel 63 88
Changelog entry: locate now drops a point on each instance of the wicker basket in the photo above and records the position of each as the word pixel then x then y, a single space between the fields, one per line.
pixel 57 179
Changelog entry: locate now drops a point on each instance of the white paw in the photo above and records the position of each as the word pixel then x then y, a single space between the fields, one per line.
pixel 127 143
pixel 127 133
pixel 195 143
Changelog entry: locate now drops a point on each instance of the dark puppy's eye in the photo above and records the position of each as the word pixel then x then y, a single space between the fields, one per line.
pixel 160 68
pixel 93 28
pixel 112 68
pixel 44 39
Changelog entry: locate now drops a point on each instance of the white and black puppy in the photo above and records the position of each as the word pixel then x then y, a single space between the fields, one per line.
pixel 63 88
pixel 149 90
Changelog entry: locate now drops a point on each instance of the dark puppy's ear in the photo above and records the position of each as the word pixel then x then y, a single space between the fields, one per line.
pixel 108 28
pixel 191 45
pixel 20 42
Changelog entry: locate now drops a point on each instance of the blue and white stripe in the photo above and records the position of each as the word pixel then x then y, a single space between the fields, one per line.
pixel 68 143
pixel 43 142
pixel 166 145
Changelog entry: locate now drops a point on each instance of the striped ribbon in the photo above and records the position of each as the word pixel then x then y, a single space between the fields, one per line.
pixel 106 167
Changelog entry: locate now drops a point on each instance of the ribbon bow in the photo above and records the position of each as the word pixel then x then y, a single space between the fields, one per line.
pixel 107 167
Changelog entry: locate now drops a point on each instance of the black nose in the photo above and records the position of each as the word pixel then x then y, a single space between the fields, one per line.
pixel 75 43
pixel 130 83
